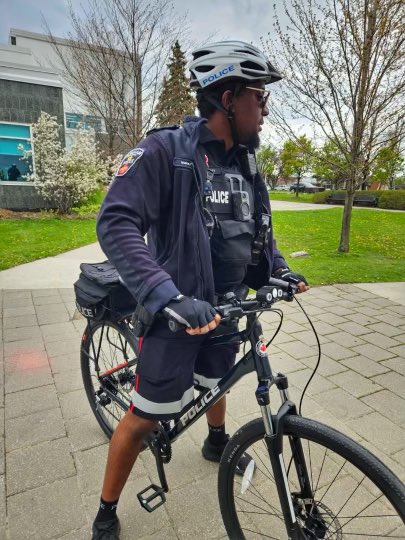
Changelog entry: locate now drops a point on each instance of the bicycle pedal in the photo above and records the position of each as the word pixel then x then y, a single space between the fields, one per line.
pixel 157 491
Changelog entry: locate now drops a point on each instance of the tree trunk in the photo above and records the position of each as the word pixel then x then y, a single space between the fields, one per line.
pixel 346 221
pixel 138 112
pixel 298 185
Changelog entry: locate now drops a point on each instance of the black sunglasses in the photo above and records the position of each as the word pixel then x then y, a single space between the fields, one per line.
pixel 263 98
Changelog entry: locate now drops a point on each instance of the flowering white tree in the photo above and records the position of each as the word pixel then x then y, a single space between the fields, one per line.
pixel 112 162
pixel 83 171
pixel 47 150
pixel 64 177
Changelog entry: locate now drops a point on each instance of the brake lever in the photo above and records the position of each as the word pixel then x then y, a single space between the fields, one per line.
pixel 230 312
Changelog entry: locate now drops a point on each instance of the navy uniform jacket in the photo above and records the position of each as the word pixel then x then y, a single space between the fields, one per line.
pixel 157 191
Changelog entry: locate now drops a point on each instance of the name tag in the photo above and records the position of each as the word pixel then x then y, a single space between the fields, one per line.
pixel 183 163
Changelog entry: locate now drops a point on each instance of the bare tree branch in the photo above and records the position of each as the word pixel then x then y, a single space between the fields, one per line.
pixel 343 73
pixel 114 59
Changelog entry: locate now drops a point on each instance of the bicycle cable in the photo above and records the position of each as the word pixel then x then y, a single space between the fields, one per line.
pixel 319 355
pixel 281 315
pixel 251 332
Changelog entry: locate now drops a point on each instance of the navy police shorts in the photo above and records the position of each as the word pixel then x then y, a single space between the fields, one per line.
pixel 171 364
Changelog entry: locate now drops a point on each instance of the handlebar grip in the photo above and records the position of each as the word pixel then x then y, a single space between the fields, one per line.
pixel 174 326
pixel 285 285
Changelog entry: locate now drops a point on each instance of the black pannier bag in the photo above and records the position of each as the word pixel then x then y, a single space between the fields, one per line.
pixel 100 294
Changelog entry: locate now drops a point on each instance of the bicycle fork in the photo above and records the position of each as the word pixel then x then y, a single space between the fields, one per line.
pixel 274 442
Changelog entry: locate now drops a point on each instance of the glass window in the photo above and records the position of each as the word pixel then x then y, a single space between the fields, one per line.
pixel 74 119
pixel 93 122
pixel 15 130
pixel 12 137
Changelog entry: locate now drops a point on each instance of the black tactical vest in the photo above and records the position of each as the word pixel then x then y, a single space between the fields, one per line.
pixel 229 200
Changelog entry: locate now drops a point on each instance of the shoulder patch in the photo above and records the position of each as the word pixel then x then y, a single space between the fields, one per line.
pixel 129 160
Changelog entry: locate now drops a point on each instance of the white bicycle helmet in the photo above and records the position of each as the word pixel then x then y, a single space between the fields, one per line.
pixel 219 62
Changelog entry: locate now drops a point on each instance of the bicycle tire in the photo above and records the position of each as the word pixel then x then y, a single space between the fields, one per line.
pixel 364 479
pixel 117 345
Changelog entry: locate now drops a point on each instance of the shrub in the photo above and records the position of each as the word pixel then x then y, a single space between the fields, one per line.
pixel 91 206
pixel 321 196
pixel 394 200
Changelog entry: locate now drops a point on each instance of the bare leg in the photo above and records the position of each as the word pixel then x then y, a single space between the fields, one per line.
pixel 124 448
pixel 216 415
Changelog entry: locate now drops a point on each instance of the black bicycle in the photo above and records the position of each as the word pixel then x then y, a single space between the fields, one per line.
pixel 305 481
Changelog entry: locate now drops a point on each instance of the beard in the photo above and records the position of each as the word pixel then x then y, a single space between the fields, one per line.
pixel 251 141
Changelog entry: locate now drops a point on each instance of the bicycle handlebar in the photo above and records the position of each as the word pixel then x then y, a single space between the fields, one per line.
pixel 265 297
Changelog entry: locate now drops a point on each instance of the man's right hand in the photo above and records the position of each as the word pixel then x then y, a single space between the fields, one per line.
pixel 197 315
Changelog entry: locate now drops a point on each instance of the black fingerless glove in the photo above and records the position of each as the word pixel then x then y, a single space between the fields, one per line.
pixel 291 277
pixel 190 312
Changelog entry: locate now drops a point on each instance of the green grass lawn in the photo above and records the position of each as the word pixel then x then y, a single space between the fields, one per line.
pixel 25 240
pixel 377 247
pixel 291 197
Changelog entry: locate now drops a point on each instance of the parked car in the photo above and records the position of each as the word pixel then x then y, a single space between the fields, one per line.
pixel 282 188
pixel 304 186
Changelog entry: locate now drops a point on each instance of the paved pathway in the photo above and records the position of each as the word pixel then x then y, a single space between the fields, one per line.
pixel 52 452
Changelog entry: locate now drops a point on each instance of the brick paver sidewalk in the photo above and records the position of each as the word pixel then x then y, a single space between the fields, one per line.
pixel 52 452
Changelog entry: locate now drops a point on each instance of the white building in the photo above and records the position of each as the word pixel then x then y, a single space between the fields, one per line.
pixel 31 81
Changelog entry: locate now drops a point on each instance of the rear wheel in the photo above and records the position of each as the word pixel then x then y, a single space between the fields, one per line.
pixel 108 363
pixel 354 495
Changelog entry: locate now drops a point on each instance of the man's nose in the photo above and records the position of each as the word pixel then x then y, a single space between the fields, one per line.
pixel 265 110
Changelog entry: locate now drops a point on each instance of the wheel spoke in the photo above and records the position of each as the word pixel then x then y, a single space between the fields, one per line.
pixel 333 481
pixel 275 513
pixel 262 535
pixel 112 349
pixel 351 497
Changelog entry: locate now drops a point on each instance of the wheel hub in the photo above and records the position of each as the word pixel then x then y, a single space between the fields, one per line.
pixel 318 521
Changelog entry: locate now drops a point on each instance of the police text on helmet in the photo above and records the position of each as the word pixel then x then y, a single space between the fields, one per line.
pixel 219 74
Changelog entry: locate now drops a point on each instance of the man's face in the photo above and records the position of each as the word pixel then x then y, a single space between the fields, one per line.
pixel 250 108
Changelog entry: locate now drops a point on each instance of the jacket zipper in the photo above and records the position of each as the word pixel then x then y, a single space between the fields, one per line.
pixel 199 201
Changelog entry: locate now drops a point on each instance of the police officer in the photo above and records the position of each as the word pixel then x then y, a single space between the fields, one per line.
pixel 195 191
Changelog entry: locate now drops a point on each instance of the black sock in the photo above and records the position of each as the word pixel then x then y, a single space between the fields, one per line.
pixel 217 435
pixel 107 510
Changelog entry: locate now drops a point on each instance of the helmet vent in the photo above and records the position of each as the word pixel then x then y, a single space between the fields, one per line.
pixel 245 52
pixel 198 54
pixel 252 65
pixel 203 69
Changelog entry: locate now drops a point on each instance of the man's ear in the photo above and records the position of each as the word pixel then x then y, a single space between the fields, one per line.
pixel 227 100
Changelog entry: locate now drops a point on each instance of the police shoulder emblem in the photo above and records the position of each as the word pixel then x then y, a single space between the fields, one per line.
pixel 129 160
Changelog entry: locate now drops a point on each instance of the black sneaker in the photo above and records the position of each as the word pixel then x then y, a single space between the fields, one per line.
pixel 212 452
pixel 106 530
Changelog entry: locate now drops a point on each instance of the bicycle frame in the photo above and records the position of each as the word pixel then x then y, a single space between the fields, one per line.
pixel 250 362
pixel 256 359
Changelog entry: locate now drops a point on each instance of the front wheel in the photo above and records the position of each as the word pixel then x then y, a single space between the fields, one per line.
pixel 354 495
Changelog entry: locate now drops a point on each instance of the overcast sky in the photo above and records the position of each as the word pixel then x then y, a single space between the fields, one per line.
pixel 248 20
pixel 237 19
